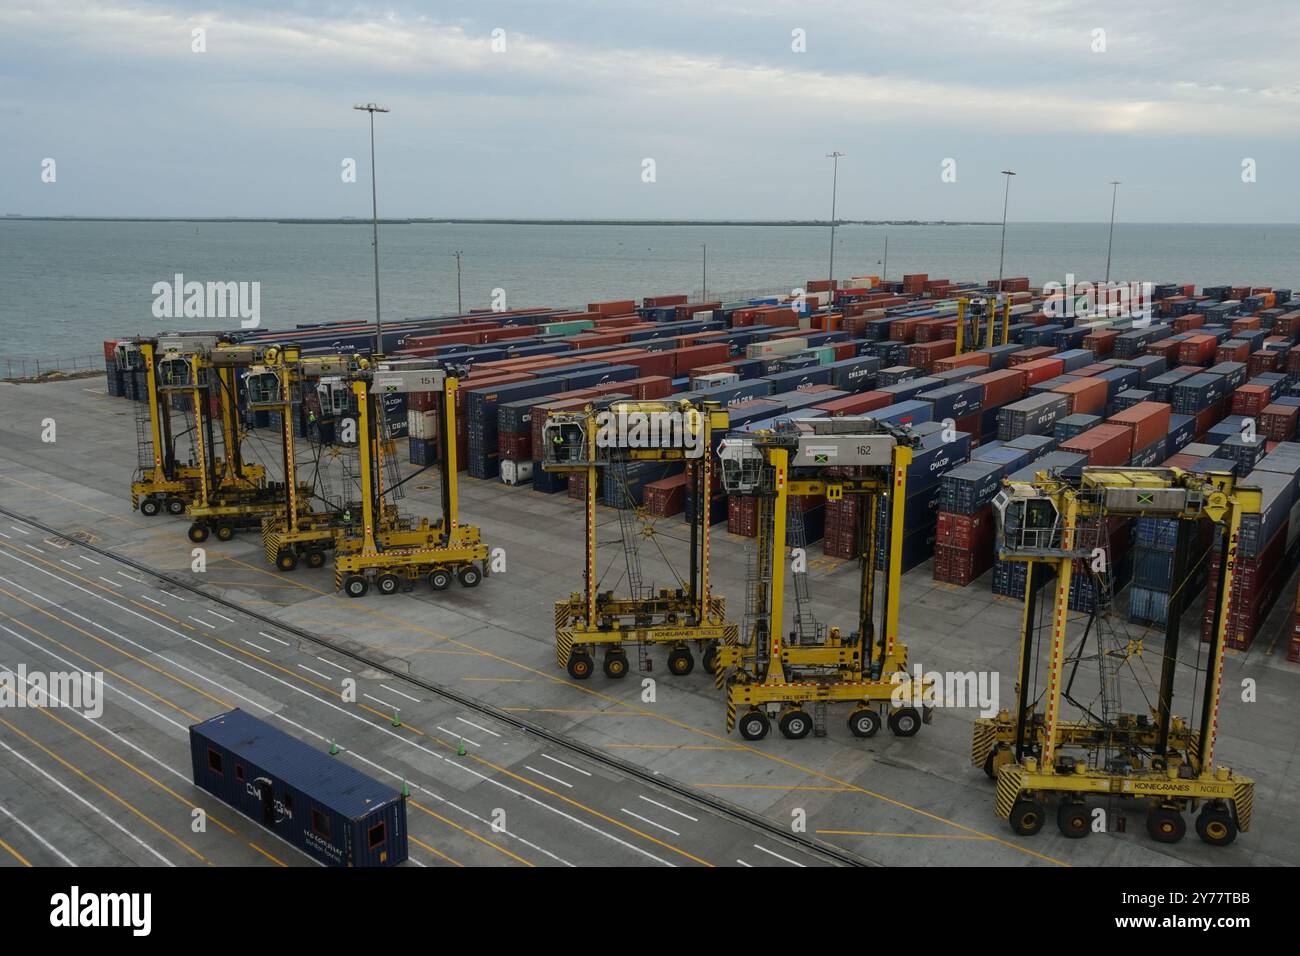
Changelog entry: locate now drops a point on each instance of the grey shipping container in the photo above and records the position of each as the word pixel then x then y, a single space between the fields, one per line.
pixel 326 808
pixel 1032 416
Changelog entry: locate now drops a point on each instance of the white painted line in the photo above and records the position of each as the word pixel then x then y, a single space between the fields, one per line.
pixel 131 577
pixel 176 596
pixel 197 620
pixel 317 673
pixel 7 537
pixel 44 842
pixel 85 802
pixel 21 530
pixel 457 736
pixel 84 557
pixel 152 601
pixel 542 773
pixel 384 702
pixel 75 567
pixel 651 822
pixel 108 582
pixel 743 863
pixel 230 620
pixel 569 765
pixel 664 806
pixel 477 727
pixel 270 637
pixel 332 664
pixel 779 856
pixel 255 646
pixel 399 693
pixel 34 548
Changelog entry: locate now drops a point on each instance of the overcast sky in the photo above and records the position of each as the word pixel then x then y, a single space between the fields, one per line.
pixel 738 123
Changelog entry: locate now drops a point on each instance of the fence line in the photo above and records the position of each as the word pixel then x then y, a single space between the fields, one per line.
pixel 35 367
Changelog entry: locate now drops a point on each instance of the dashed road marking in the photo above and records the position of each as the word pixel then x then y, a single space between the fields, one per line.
pixel 569 765
pixel 478 727
pixel 779 856
pixel 664 806
pixel 649 821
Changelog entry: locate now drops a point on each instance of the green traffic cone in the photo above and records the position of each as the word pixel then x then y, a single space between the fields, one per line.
pixel 460 749
pixel 334 749
pixel 397 721
pixel 406 790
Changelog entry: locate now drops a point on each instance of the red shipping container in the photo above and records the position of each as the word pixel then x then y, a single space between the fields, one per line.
pixel 666 497
pixel 1278 422
pixel 904 330
pixel 1197 349
pixel 965 531
pixel 1040 370
pixel 1250 399
pixel 859 404
pixel 924 355
pixel 1265 360
pixel 1030 355
pixel 964 360
pixel 1166 349
pixel 663 301
pixel 1180 461
pixel 650 387
pixel 1248 323
pixel 1149 421
pixel 959 565
pixel 1001 387
pixel 696 355
pixel 845 350
pixel 1185 323
pixel 1234 352
pixel 1101 342
pixel 1287 324
pixel 971 426
pixel 742 517
pixel 619 307
pixel 1087 395
pixel 1105 445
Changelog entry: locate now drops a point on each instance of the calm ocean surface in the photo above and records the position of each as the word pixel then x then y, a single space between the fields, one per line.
pixel 66 286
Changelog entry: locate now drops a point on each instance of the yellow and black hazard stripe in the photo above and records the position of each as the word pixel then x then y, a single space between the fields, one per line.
pixel 731 713
pixel 1009 777
pixel 563 647
pixel 1243 801
pixel 982 740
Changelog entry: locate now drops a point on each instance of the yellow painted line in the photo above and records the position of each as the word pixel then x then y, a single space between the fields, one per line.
pixel 107 792
pixel 452 823
pixel 16 855
pixel 372 612
pixel 106 669
pixel 672 746
pixel 139 660
pixel 501 680
pixel 267 855
pixel 910 836
pixel 77 504
pixel 434 850
pixel 773 786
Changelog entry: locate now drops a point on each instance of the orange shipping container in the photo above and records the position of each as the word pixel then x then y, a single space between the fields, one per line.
pixel 1087 395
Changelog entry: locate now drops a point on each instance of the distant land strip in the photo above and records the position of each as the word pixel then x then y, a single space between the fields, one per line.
pixel 358 221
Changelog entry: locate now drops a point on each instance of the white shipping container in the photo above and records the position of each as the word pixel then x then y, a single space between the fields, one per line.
pixel 516 472
pixel 776 347
pixel 422 424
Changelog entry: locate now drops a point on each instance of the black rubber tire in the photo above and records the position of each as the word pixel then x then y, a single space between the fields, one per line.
pixel 175 506
pixel 1165 825
pixel 754 725
pixel 439 579
pixel 580 665
pixel 388 584
pixel 355 586
pixel 1027 817
pixel 990 767
pixel 864 722
pixel 469 576
pixel 286 560
pixel 795 724
pixel 710 659
pixel 1215 826
pixel 680 662
pixel 905 722
pixel 150 507
pixel 225 532
pixel 315 559
pixel 615 665
pixel 198 533
pixel 1073 820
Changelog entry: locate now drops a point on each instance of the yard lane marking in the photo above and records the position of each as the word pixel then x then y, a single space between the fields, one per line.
pixel 39 839
pixel 478 727
pixel 255 646
pixel 664 806
pixel 400 694
pixel 270 637
pixel 569 765
pixel 317 673
pixel 779 856
pixel 649 821
pixel 542 773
